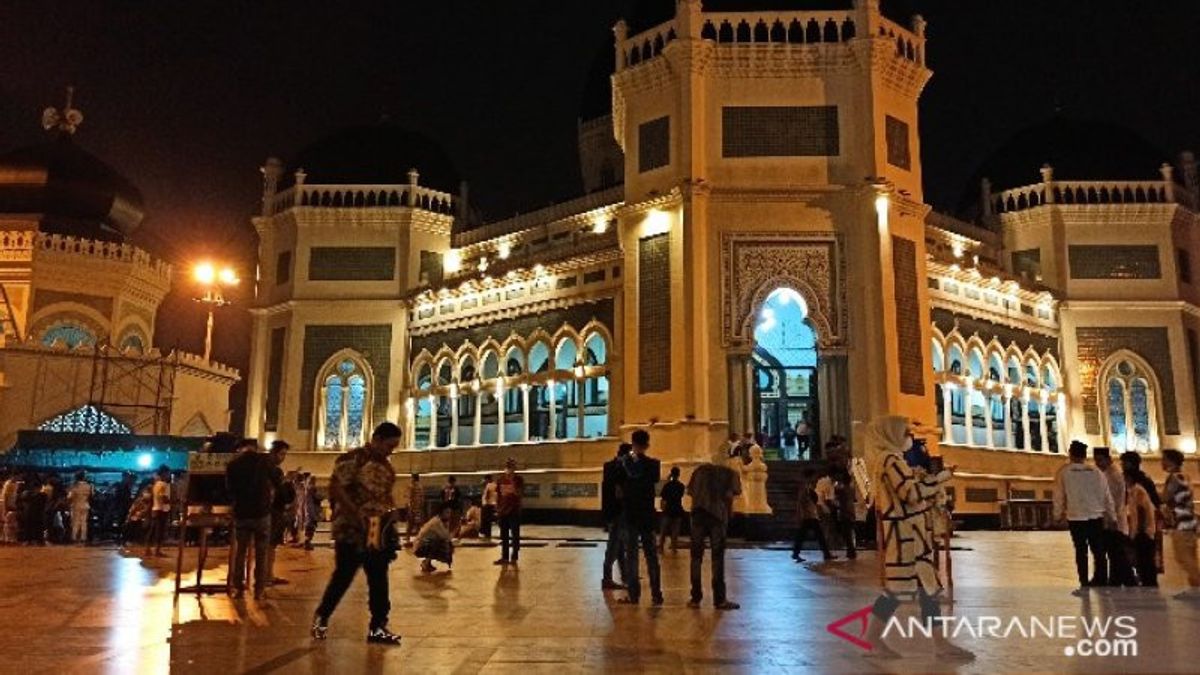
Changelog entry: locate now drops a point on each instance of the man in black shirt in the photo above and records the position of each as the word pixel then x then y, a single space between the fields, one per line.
pixel 248 477
pixel 637 479
pixel 610 510
pixel 284 495
pixel 672 510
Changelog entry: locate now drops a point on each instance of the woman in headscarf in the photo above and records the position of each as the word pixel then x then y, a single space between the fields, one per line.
pixel 902 499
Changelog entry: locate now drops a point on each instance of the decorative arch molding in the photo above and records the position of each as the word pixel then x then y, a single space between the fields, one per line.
pixel 66 313
pixel 755 264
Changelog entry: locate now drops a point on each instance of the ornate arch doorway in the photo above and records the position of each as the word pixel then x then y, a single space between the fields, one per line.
pixel 785 382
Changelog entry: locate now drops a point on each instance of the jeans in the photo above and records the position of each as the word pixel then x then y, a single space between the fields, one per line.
pixel 79 524
pixel 348 557
pixel 1143 556
pixel 157 530
pixel 487 517
pixel 708 526
pixel 614 551
pixel 510 536
pixel 260 530
pixel 810 526
pixel 1116 558
pixel 1088 534
pixel 642 533
pixel 670 526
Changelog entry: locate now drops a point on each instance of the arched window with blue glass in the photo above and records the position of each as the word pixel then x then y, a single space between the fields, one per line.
pixel 514 396
pixel 68 334
pixel 595 387
pixel 566 389
pixel 345 402
pixel 539 399
pixel 423 407
pixel 1131 403
pixel 132 343
pixel 443 378
pixel 465 407
pixel 489 427
pixel 958 403
pixel 785 374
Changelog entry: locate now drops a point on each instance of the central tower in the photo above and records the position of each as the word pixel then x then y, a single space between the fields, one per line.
pixel 769 150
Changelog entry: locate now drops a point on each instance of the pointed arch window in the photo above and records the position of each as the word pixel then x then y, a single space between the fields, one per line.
pixel 345 404
pixel 1130 406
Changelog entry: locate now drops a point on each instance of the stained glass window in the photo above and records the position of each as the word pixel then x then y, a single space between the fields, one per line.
pixel 333 412
pixel 86 419
pixel 1116 414
pixel 69 334
pixel 1139 403
pixel 346 401
pixel 1130 408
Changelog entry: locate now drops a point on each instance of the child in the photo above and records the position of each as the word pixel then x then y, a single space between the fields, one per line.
pixel 1142 528
pixel 1179 514
pixel 433 542
pixel 472 521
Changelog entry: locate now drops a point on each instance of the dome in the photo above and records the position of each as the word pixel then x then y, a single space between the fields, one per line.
pixel 1077 149
pixel 73 192
pixel 379 154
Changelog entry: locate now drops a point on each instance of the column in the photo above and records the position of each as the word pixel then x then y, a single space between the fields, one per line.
pixel 581 392
pixel 947 418
pixel 833 398
pixel 410 423
pixel 500 411
pixel 1008 430
pixel 478 413
pixel 552 432
pixel 968 412
pixel 433 422
pixel 525 411
pixel 1026 444
pixel 987 420
pixel 1042 423
pixel 749 413
pixel 322 422
pixel 454 414
pixel 734 390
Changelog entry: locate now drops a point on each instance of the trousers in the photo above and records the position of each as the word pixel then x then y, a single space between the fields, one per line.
pixel 79 523
pixel 348 558
pixel 510 536
pixel 706 526
pixel 643 534
pixel 1085 535
pixel 246 530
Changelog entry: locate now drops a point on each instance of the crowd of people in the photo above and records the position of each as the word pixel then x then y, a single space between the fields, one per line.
pixel 1120 516
pixel 48 508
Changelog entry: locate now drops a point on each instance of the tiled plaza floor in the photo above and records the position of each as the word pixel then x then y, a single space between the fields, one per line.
pixel 94 610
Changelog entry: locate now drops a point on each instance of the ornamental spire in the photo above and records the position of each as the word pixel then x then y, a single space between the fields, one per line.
pixel 66 119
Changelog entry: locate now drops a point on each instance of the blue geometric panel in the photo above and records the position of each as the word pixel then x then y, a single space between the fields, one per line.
pixel 72 335
pixel 86 419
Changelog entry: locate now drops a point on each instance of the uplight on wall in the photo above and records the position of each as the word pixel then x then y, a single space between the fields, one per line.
pixel 452 262
pixel 882 205
pixel 657 222
pixel 600 225
pixel 504 250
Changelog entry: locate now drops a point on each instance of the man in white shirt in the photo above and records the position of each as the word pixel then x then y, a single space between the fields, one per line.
pixel 160 511
pixel 80 499
pixel 1116 533
pixel 1082 497
pixel 489 507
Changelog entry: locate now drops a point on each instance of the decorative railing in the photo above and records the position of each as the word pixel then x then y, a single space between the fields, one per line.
pixel 795 28
pixel 17 245
pixel 106 250
pixel 363 196
pixel 1090 192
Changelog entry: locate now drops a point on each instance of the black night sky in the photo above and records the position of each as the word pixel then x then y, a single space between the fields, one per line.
pixel 188 98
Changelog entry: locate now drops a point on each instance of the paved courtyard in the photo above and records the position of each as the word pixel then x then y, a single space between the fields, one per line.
pixel 95 610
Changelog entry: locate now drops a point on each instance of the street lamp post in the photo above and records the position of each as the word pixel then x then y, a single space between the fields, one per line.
pixel 213 283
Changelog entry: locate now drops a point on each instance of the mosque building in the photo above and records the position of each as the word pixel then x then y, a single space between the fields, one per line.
pixel 78 304
pixel 751 252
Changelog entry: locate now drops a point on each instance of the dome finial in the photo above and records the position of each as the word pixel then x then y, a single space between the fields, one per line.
pixel 67 119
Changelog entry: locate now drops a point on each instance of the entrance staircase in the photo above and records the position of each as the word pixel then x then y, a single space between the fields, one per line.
pixel 783 482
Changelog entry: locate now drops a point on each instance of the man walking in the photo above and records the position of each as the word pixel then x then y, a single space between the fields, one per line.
pixel 509 489
pixel 452 499
pixel 80 498
pixel 672 510
pixel 713 488
pixel 248 478
pixel 808 518
pixel 610 511
pixel 361 491
pixel 1082 497
pixel 637 479
pixel 1116 533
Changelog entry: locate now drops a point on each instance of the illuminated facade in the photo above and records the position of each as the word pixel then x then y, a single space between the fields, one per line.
pixel 78 305
pixel 729 269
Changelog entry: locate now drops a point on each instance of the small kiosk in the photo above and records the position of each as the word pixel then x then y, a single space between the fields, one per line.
pixel 206 506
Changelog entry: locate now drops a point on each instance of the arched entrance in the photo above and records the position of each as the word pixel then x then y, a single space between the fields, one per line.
pixel 785 377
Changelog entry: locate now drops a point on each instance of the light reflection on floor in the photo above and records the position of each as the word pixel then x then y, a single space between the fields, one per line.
pixel 92 610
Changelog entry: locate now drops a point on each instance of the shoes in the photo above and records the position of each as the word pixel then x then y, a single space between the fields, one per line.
pixel 238 594
pixel 1080 592
pixel 727 605
pixel 627 601
pixel 693 604
pixel 260 593
pixel 1188 594
pixel 426 566
pixel 382 636
pixel 501 561
pixel 278 581
pixel 610 585
pixel 657 600
pixel 308 546
pixel 797 558
pixel 320 628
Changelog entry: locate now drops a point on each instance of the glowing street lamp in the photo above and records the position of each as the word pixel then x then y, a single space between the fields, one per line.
pixel 212 282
